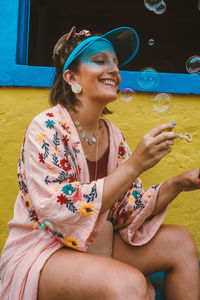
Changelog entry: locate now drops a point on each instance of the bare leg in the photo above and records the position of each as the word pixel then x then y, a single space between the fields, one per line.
pixel 173 250
pixel 73 275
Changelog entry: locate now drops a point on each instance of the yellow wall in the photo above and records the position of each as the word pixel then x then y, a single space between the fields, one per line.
pixel 19 105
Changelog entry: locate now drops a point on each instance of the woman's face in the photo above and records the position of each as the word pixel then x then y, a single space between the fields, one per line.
pixel 98 72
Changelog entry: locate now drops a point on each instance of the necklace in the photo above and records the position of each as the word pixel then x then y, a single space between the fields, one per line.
pixel 96 161
pixel 88 140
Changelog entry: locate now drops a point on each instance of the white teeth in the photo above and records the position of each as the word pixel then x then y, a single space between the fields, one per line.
pixel 109 82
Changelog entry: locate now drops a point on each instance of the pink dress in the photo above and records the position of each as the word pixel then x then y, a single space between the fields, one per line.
pixel 58 206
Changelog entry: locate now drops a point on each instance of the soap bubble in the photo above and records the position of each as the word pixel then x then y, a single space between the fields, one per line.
pixel 199 5
pixel 151 42
pixel 157 6
pixel 126 94
pixel 161 103
pixel 148 78
pixel 43 228
pixel 150 4
pixel 160 8
pixel 193 65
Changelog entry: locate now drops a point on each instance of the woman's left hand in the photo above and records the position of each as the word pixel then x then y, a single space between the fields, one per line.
pixel 188 181
pixel 169 190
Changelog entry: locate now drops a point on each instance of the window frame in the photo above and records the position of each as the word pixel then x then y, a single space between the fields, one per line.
pixel 14 70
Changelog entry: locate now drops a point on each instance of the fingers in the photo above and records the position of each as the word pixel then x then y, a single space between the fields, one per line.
pixel 165 136
pixel 164 145
pixel 158 129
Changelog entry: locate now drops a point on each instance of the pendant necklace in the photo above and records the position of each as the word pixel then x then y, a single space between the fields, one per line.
pixel 88 140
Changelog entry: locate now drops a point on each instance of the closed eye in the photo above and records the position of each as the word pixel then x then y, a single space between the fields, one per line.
pixel 99 61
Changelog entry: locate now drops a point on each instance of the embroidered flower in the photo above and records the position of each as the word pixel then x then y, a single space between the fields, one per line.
pixel 71 178
pixel 86 209
pixel 50 114
pixel 136 194
pixel 77 196
pixel 27 201
pixel 40 137
pixel 131 199
pixel 122 151
pixel 65 139
pixel 76 184
pixel 65 126
pixel 146 196
pixel 62 199
pixel 68 189
pixel 41 158
pixel 50 123
pixel 65 164
pixel 71 242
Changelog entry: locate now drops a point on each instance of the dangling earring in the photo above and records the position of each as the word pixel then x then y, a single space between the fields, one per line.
pixel 76 88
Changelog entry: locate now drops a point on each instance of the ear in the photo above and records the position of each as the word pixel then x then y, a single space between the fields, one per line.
pixel 69 77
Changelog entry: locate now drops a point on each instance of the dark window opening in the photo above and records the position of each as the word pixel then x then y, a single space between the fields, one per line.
pixel 174 33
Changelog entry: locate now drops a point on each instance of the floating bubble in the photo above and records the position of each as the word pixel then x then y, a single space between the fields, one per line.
pixel 160 8
pixel 148 78
pixel 151 42
pixel 150 4
pixel 193 65
pixel 43 228
pixel 161 103
pixel 126 94
pixel 199 5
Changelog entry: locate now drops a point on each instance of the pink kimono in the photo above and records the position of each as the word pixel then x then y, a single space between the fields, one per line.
pixel 57 205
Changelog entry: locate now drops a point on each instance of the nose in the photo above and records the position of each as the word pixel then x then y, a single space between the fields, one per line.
pixel 113 68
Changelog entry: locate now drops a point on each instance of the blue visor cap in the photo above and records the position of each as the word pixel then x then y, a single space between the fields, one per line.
pixel 124 40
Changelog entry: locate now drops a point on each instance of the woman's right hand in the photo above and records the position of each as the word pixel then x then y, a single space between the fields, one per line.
pixel 153 147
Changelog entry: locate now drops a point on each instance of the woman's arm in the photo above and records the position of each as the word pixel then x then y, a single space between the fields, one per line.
pixel 151 149
pixel 169 190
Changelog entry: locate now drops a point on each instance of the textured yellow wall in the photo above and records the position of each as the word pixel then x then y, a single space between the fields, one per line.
pixel 19 105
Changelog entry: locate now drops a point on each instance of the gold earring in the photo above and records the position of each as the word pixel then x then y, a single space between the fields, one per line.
pixel 76 88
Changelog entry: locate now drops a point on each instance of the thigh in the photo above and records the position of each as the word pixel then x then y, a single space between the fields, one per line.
pixel 70 274
pixel 171 244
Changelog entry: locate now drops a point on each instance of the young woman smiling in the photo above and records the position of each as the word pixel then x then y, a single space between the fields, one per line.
pixel 84 228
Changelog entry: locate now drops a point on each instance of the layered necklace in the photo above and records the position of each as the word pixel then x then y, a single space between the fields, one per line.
pixel 91 141
pixel 83 135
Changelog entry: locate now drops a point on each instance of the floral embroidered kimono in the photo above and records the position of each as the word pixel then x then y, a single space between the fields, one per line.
pixel 57 205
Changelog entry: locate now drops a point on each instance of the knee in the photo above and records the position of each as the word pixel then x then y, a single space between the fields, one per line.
pixel 139 286
pixel 130 286
pixel 185 242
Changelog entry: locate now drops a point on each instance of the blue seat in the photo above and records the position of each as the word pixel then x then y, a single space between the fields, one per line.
pixel 157 280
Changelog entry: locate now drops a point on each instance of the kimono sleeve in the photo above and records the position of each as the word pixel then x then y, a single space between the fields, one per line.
pixel 49 176
pixel 131 214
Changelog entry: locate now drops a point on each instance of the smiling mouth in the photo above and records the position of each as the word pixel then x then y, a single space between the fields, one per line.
pixel 109 82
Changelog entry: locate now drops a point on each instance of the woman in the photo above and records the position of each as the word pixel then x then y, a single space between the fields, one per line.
pixel 77 175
